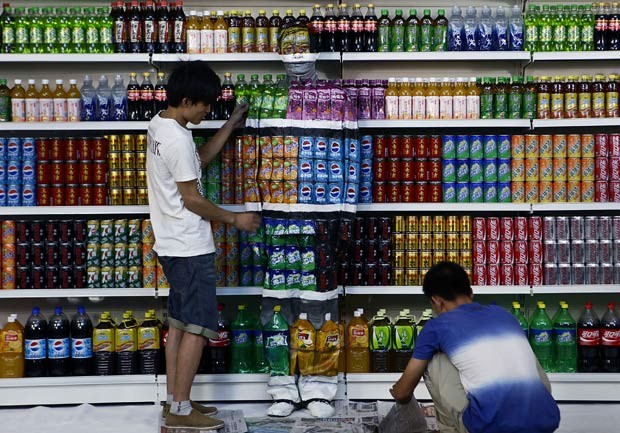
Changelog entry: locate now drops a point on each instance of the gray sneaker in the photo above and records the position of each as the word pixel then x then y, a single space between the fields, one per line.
pixel 195 420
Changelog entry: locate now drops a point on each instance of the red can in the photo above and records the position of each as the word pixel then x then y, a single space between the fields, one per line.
pixel 535 252
pixel 420 192
pixel 85 149
pixel 506 275
pixel 393 150
pixel 384 274
pixel 379 170
pixel 614 144
pixel 100 171
pixel 51 277
pixel 22 278
pixel 479 275
pixel 520 251
pixel 72 149
pixel 65 231
pixel 80 276
pixel 434 148
pixel 44 195
pixel 407 170
pixel 408 192
pixel 614 192
pixel 38 253
pixel 379 192
pixel 493 252
pixel 407 147
pixel 601 146
pixel 371 227
pixel 601 169
pixel 57 195
pixel 420 168
pixel 493 276
pixel 614 169
pixel 22 253
pixel 615 228
pixel 393 192
pixel 434 170
pixel 383 252
pixel 65 254
pixel 43 148
pixel 384 228
pixel 71 172
pixel 22 231
pixel 51 253
pixel 393 170
pixel 58 174
pixel 520 274
pixel 86 172
pixel 493 229
pixel 86 197
pixel 536 274
pixel 506 252
pixel 56 149
pixel 435 192
pixel 421 144
pixel 65 277
pixel 44 172
pixel 72 193
pixel 535 228
pixel 99 148
pixel 479 253
pixel 100 195
pixel 506 226
pixel 520 228
pixel 379 148
pixel 479 229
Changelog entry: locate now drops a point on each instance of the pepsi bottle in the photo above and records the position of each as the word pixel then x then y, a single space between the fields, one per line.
pixel 81 344
pixel 58 345
pixel 35 345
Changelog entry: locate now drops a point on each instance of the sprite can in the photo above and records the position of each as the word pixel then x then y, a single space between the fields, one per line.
pixel 308 262
pixel 258 276
pixel 308 281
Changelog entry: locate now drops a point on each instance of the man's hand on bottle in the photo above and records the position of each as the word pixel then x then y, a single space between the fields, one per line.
pixel 247 221
pixel 237 118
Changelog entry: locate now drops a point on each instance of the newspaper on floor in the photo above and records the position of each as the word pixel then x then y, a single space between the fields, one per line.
pixel 329 425
pixel 429 413
pixel 270 425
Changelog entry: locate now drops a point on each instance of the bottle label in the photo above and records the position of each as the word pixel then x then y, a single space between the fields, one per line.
pixel 103 340
pixel 570 102
pixel 164 32
pixel 598 102
pixel 331 26
pixel 12 341
pixel 585 102
pixel 161 95
pixel 105 108
pixel 60 110
pixel 274 339
pixel 440 38
pixel 383 39
pixel 77 35
pixel 8 35
pixel 589 337
pixel 541 336
pixel 49 35
pixel 262 39
pixel 258 337
pixel 179 31
pixel 445 107
pixel 564 336
pixel 81 348
pixel 316 26
pixel 64 35
pixel 370 26
pixel 459 107
pixel 426 38
pixel 328 341
pixel 5 108
pixel 432 107
pixel 610 337
pixel 403 337
pixel 411 39
pixel 33 113
pixel 559 33
pixel 398 38
pixel 220 43
pixel 544 102
pixel 546 33
pixel 240 338
pixel 234 40
pixel 120 108
pixel 119 31
pixel 601 24
pixel 404 107
pixel 87 109
pixel 18 110
pixel 587 34
pixel 343 25
pixel 92 35
pixel 381 338
pixel 557 102
pixel 358 336
pixel 105 35
pixel 193 41
pixel 501 103
pixel 572 33
pixel 248 42
pixel 223 340
pixel 21 35
pixel 126 340
pixel 419 107
pixel 531 34
pixel 206 41
pixel 58 348
pixel 150 31
pixel 36 35
pixel 357 26
pixel 612 104
pixel 274 35
pixel 35 349
pixel 305 339
pixel 473 107
pixel 133 95
pixel 391 107
pixel 148 338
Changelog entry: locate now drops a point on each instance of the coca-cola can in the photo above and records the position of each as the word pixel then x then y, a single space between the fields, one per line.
pixel 383 254
pixel 602 168
pixel 479 253
pixel 591 252
pixel 605 229
pixel 549 252
pixel 80 275
pixel 577 251
pixel 479 275
pixel 493 252
pixel 617 273
pixel 65 277
pixel 22 231
pixel 576 227
pixel 480 229
pixel 38 277
pixel 606 274
pixel 563 254
pixel 385 270
pixel 493 229
pixel 535 252
pixel 562 228
pixel 51 277
pixel 355 274
pixel 372 251
pixel 601 145
pixel 605 251
pixel 506 228
pixel 371 274
pixel 614 168
pixel 536 274
pixel 616 251
pixel 563 276
pixel 535 228
pixel 591 276
pixel 614 142
pixel 493 275
pixel 614 192
pixel 521 277
pixel 507 256
pixel 38 254
pixel 590 228
pixel 520 228
pixel 521 253
pixel 578 273
pixel 601 191
pixel 23 254
pixel 506 274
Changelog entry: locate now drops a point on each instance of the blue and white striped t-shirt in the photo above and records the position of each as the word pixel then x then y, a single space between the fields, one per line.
pixel 497 368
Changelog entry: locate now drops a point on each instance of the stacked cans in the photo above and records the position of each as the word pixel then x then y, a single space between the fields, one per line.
pixel 507 251
pixel 152 272
pixel 366 168
pixel 226 239
pixel 476 168
pixel 9 259
pixel 18 172
pixel 581 250
pixel 407 169
pixel 369 258
pixel 252 258
pixel 607 167
pixel 72 171
pixel 114 253
pixel 420 242
pixel 50 254
pixel 127 162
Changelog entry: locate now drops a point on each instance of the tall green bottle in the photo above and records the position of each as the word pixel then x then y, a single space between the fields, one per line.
pixel 241 90
pixel 35 34
pixel 516 311
pixel 258 346
pixel 541 337
pixel 586 23
pixel 531 28
pixel 380 343
pixel 22 31
pixel 106 28
pixel 241 343
pixel 254 92
pixel 280 100
pixel 63 29
pixel 50 34
pixel 545 30
pixel 78 32
pixel 91 31
pixel 7 24
pixel 564 341
pixel 277 337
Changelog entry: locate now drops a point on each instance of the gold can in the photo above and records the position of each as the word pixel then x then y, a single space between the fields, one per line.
pixel 439 241
pixel 587 145
pixel 115 178
pixel 426 241
pixel 465 259
pixel 412 225
pixel 129 178
pixel 114 143
pixel 412 241
pixel 398 277
pixel 128 143
pixel 130 196
pixel 439 256
pixel 465 241
pixel 439 224
pixel 141 180
pixel 116 196
pixel 426 224
pixel 412 277
pixel 114 160
pixel 141 160
pixel 426 259
pixel 399 259
pixel 143 197
pixel 412 259
pixel 452 242
pixel 398 241
pixel 399 224
pixel 465 224
pixel 140 142
pixel 453 256
pixel 452 224
pixel 128 161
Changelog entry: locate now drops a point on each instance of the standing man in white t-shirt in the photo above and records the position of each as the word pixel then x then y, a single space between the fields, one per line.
pixel 181 217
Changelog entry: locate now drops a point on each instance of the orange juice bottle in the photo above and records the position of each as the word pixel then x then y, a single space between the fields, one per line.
pixel 12 348
pixel 33 114
pixel 74 100
pixel 432 99
pixel 328 348
pixel 193 33
pixel 459 100
pixel 358 355
pixel 18 102
pixel 404 100
pixel 303 345
pixel 206 34
pixel 473 99
pixel 46 102
pixel 220 34
pixel 391 99
pixel 445 99
pixel 60 102
pixel 418 100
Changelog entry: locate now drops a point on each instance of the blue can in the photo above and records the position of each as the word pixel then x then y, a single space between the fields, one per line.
pixel 353 172
pixel 476 192
pixel 2 194
pixel 448 171
pixel 335 171
pixel 258 274
pixel 13 171
pixel 351 193
pixel 29 171
pixel 504 170
pixel 3 148
pixel 335 152
pixel 246 276
pixel 29 194
pixel 476 149
pixel 490 170
pixel 305 191
pixel 504 146
pixel 448 147
pixel 353 146
pixel 462 146
pixel 2 171
pixel 319 151
pixel 366 170
pixel 489 144
pixel 462 170
pixel 14 195
pixel 504 192
pixel 366 147
pixel 334 192
pixel 476 171
pixel 462 192
pixel 29 150
pixel 319 193
pixel 320 173
pixel 306 147
pixel 490 192
pixel 365 195
pixel 306 169
pixel 14 148
pixel 449 192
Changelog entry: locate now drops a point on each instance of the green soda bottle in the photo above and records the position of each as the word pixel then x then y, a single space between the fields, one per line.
pixel 402 342
pixel 380 343
pixel 573 32
pixel 22 31
pixel 241 344
pixel 35 34
pixel 440 32
pixel 545 30
pixel 383 32
pixel 412 32
pixel 559 29
pixel 106 27
pixel 63 29
pixel 91 26
pixel 426 31
pixel 530 98
pixel 397 32
pixel 280 101
pixel 5 101
pixel 486 98
pixel 50 35
pixel 277 335
pixel 516 311
pixel 78 37
pixel 7 24
pixel 515 98
pixel 564 341
pixel 541 329
pixel 258 346
pixel 531 29
pixel 586 24
pixel 254 94
pixel 241 90
pixel 500 109
pixel 266 103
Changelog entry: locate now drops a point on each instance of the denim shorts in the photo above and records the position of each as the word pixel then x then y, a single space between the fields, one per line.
pixel 192 303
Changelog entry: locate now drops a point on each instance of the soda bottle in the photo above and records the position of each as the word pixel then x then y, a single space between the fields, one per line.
pixel 81 343
pixel 600 27
pixel 147 97
pixel 119 100
pixel 248 33
pixel 280 100
pixel 60 103
pixel 397 32
pixel 219 348
pixel 58 345
pixel 530 97
pixel 383 32
pixel 7 24
pixel 587 24
pixel 610 340
pixel 598 96
pixel 254 93
pixel 343 29
pixel 63 28
pixel 150 28
pixel 455 30
pixel 358 355
pixel 545 30
pixel 357 35
pixel 78 33
pixel 241 348
pixel 258 346
pixel 46 102
pixel 370 29
pixel 584 97
pixel 380 343
pixel 499 34
pixel 470 27
pixel 126 344
pixel 160 95
pixel 440 31
pixel 104 345
pixel 178 35
pixel 148 344
pixel 424 319
pixel 515 98
pixel 541 330
pixel 18 102
pixel 33 113
pixel 234 33
pixel 559 28
pixel 427 31
pixel 275 22
pixel 531 28
pixel 267 98
pixel 106 29
pixel 557 98
pixel 589 341
pixel 35 345
pixel 484 31
pixel 227 98
pixel 564 333
pixel 302 18
pixel 136 28
pixel 50 34
pixel 516 311
pixel 35 34
pixel 303 343
pixel 611 96
pixel 103 106
pixel 315 29
pixel 12 349
pixel 570 97
pixel 133 98
pixel 5 101
pixel 88 100
pixel 402 342
pixel 121 29
pixel 572 30
pixel 330 43
pixel 91 31
pixel 242 95
pixel 22 30
pixel 164 27
pixel 276 335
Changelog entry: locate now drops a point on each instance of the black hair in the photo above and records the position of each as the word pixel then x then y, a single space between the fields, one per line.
pixel 448 280
pixel 195 81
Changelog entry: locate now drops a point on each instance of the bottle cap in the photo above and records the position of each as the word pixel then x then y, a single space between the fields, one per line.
pixel 59 81
pixel 11 319
pixel 31 81
pixel 357 313
pixel 220 13
pixel 276 309
pixel 328 316
pixel 192 13
pixel 248 13
pixel 241 307
pixel 72 81
pixel 18 81
pixel 303 316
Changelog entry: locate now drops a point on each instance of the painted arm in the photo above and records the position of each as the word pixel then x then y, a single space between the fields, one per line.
pixel 402 390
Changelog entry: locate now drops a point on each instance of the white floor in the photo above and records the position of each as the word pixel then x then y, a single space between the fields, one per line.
pixel 576 418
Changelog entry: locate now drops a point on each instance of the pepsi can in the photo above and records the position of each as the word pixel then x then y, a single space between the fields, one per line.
pixel 353 146
pixel 3 198
pixel 365 194
pixel 13 171
pixel 14 148
pixel 366 147
pixel 335 152
pixel 29 171
pixel 29 194
pixel 320 173
pixel 305 192
pixel 29 150
pixel 351 193
pixel 3 148
pixel 13 195
pixel 335 173
pixel 305 169
pixel 334 192
pixel 366 170
pixel 306 147
pixel 2 171
pixel 320 148
pixel 353 172
pixel 319 193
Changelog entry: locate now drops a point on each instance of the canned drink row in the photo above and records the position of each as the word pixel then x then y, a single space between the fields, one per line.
pixel 422 258
pixel 476 147
pixel 228 275
pixel 404 192
pixel 291 280
pixel 579 273
pixel 582 251
pixel 18 172
pixel 469 192
pixel 127 160
pixel 72 195
pixel 559 169
pixel 71 172
pixel 44 253
pixel 581 228
pixel 434 241
pixel 607 191
pixel 554 191
pixel 365 274
pixel 18 195
pixel 507 228
pixel 50 277
pixel 507 274
pixel 121 277
pixel 477 170
pixel 554 146
pixel 128 196
pixel 507 252
pixel 432 224
pixel 310 147
pixel 310 170
pixel 127 143
pixel 17 149
pixel 251 276
pixel 127 179
pixel 407 146
pixel 120 254
pixel 405 170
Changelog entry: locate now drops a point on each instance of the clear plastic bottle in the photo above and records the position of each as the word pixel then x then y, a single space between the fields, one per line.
pixel 446 108
pixel 459 100
pixel 220 34
pixel 516 311
pixel 103 107
pixel 60 102
pixel 358 355
pixel 473 99
pixel 404 100
pixel 455 30
pixel 119 100
pixel 35 345
pixel 484 30
pixel 426 31
pixel 469 29
pixel 160 95
pixel 412 32
pixel 12 349
pixel 35 34
pixel 277 337
pixel 5 101
pixel 397 32
pixel 18 102
pixel 499 35
pixel 559 29
pixel 81 344
pixel 274 30
pixel 89 100
pixel 147 97
pixel 391 100
pixel 419 100
pixel 432 99
pixel 241 347
pixel 33 112
pixel 207 34
pixel 104 345
pixel 565 341
pixel 440 31
pixel 515 29
pixel 541 329
pixel 531 28
pixel 193 33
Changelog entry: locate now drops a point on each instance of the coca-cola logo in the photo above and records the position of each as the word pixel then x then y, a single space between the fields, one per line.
pixel 589 337
pixel 493 229
pixel 611 337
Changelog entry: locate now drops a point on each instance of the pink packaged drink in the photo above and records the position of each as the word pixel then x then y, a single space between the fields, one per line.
pixel 377 110
pixel 295 102
pixel 338 96
pixel 363 100
pixel 351 101
pixel 310 102
pixel 323 108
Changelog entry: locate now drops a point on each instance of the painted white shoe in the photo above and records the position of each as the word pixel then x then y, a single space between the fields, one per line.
pixel 280 409
pixel 320 409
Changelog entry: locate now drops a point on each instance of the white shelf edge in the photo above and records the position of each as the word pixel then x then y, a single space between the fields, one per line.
pixel 75 58
pixel 451 123
pixel 115 379
pixel 564 123
pixel 557 207
pixel 570 289
pixel 575 56
pixel 225 291
pixel 233 57
pixel 444 207
pixel 417 290
pixel 103 127
pixel 75 293
pixel 438 56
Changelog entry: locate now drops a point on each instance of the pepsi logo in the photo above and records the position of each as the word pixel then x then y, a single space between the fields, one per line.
pixel 320 191
pixel 321 145
pixel 352 171
pixel 335 168
pixel 366 143
pixel 13 147
pixel 335 191
pixel 58 346
pixel 2 194
pixel 305 167
pixel 28 194
pixel 353 147
pixel 366 168
pixel 321 167
pixel 306 145
pixel 28 147
pixel 34 346
pixel 305 191
pixel 364 191
pixel 334 147
pixel 12 170
pixel 13 194
pixel 351 193
pixel 78 345
pixel 28 170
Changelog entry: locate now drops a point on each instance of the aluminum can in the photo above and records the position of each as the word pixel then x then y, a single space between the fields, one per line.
pixel 591 274
pixel 493 275
pixel 563 251
pixel 449 192
pixel 531 147
pixel 605 227
pixel 520 228
pixel 517 190
pixel 448 147
pixel 561 228
pixel 520 275
pixel 493 252
pixel 506 225
pixel 536 274
pixel 379 146
pixel 535 252
pixel 616 251
pixel 590 228
pixel 506 274
pixel 606 273
pixel 51 277
pixel 532 169
pixel 493 230
pixel 591 251
pixel 517 144
pixel 545 145
pixel 521 252
pixel 479 229
pixel 479 275
pixel 578 273
pixel 605 251
pixel 588 169
pixel 549 253
pixel 563 274
pixel 506 252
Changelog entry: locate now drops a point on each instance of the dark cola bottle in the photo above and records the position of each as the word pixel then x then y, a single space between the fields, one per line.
pixel 370 29
pixel 588 341
pixel 219 349
pixel 315 29
pixel 357 34
pixel 613 28
pixel 136 29
pixel 164 33
pixel 344 28
pixel 35 345
pixel 610 340
pixel 329 31
pixel 600 27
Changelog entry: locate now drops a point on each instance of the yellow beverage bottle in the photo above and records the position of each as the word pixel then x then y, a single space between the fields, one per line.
pixel 193 33
pixel 459 100
pixel 432 99
pixel 73 102
pixel 60 102
pixel 405 100
pixel 358 355
pixel 473 99
pixel 328 348
pixel 18 102
pixel 342 356
pixel 220 34
pixel 445 99
pixel 391 99
pixel 418 100
pixel 33 114
pixel 206 34
pixel 12 348
pixel 303 345
pixel 46 102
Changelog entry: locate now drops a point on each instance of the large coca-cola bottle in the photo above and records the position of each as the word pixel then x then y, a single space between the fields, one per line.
pixel 610 340
pixel 588 341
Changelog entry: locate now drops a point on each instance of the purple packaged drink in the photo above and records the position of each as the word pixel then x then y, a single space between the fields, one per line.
pixel 338 96
pixel 576 227
pixel 323 101
pixel 295 102
pixel 590 228
pixel 310 102
pixel 549 228
pixel 615 227
pixel 364 100
pixel 351 100
pixel 377 108
pixel 616 251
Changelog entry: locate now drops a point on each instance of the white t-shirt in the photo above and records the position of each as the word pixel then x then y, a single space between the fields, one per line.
pixel 171 157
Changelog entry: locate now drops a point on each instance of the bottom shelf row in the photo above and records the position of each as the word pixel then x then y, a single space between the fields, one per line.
pixel 253 387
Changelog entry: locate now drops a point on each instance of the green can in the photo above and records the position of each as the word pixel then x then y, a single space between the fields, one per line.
pixel 93 254
pixel 476 171
pixel 448 147
pixel 448 170
pixel 93 231
pixel 106 277
pixel 476 193
pixel 121 252
pixel 462 170
pixel 490 170
pixel 504 147
pixel 134 254
pixel 199 141
pixel 245 254
pixel 462 146
pixel 106 231
pixel 462 192
pixel 490 146
pixel 214 192
pixel 308 281
pixel 293 280
pixel 134 277
pixel 106 254
pixel 476 148
pixel 134 231
pixel 93 277
pixel 121 231
pixel 214 170
pixel 121 277
pixel 504 170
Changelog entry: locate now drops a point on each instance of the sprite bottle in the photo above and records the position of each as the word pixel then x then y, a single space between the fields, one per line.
pixel 241 344
pixel 564 341
pixel 559 29
pixel 541 329
pixel 106 27
pixel 241 90
pixel 531 28
pixel 573 31
pixel 91 31
pixel 22 31
pixel 586 24
pixel 545 30
pixel 35 34
pixel 63 30
pixel 50 34
pixel 7 25
pixel 266 103
pixel 277 335
pixel 280 101
pixel 516 311
pixel 254 94
pixel 78 37
pixel 258 343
